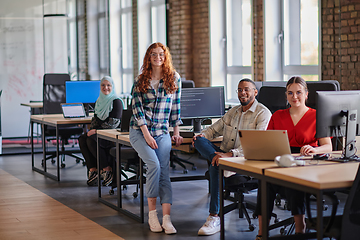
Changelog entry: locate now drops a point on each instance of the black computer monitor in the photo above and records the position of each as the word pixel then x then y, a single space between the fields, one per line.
pixel 337 116
pixel 202 103
pixel 86 92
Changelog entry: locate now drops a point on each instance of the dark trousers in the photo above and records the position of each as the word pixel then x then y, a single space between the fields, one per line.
pixel 296 199
pixel 88 147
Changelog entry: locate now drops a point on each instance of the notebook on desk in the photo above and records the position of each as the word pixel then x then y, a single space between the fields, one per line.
pixel 264 145
pixel 73 110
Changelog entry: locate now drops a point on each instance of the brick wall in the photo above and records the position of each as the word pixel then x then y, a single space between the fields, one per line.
pixel 201 43
pixel 135 39
pixel 258 40
pixel 341 42
pixel 188 39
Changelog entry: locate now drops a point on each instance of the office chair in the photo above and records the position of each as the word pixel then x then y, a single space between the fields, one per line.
pixel 128 156
pixel 240 185
pixel 347 225
pixel 53 96
pixel 35 111
pixel 174 159
pixel 325 85
pixel 273 97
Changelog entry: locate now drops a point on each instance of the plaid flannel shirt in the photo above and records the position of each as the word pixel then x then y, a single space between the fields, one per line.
pixel 158 110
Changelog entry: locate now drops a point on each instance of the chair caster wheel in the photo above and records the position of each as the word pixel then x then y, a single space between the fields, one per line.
pixel 84 163
pixel 283 231
pixel 173 167
pixel 77 160
pixel 185 171
pixel 63 165
pixel 194 168
pixel 124 187
pixel 52 161
pixel 254 216
pixel 251 227
pixel 135 194
pixel 111 192
pixel 276 220
pixel 42 163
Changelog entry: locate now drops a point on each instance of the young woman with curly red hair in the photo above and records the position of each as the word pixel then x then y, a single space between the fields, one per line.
pixel 155 107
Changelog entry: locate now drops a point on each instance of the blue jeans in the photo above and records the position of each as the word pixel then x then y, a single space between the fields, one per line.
pixel 157 162
pixel 207 150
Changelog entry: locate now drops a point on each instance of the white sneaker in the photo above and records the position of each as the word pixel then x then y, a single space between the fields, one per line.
pixel 154 222
pixel 167 225
pixel 211 226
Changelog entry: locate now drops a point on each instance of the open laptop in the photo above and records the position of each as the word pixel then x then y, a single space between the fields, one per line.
pixel 73 110
pixel 264 145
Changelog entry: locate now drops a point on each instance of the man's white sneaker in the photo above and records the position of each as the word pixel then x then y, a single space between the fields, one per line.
pixel 211 226
pixel 167 225
pixel 154 222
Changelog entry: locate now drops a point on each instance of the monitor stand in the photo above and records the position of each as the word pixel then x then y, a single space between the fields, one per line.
pixel 88 108
pixel 349 150
pixel 350 135
pixel 197 125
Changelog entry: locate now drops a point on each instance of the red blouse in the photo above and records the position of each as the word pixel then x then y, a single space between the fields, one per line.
pixel 303 133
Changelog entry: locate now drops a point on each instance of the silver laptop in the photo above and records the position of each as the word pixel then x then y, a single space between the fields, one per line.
pixel 264 144
pixel 73 110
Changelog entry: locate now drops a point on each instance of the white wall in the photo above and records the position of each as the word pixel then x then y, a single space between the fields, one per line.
pixel 21 63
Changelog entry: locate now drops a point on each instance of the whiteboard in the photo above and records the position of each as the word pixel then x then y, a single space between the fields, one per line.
pixel 21 71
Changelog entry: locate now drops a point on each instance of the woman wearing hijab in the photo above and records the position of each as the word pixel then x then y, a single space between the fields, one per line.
pixel 108 111
pixel 155 107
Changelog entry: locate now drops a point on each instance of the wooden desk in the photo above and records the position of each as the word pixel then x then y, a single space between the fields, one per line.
pixel 315 179
pixel 33 104
pixel 54 120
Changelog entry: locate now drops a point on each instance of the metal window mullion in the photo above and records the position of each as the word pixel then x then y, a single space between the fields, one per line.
pixel 121 49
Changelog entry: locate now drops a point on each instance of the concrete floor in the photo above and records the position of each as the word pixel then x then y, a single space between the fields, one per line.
pixel 189 210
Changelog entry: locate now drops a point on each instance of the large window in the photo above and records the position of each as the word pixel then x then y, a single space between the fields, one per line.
pixel 121 42
pixel 238 44
pixel 295 50
pixel 230 43
pixel 151 24
pixel 158 21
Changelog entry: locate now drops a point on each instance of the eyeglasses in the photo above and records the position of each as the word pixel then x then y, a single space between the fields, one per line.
pixel 245 89
pixel 154 55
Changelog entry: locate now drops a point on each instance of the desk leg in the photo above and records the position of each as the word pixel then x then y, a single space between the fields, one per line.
pixel 98 168
pixel 32 143
pixel 222 219
pixel 44 146
pixel 319 217
pixel 57 153
pixel 264 215
pixel 141 187
pixel 118 174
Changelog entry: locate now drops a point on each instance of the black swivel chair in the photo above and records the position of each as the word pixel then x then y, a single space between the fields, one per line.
pixel 347 225
pixel 325 85
pixel 186 122
pixel 53 96
pixel 129 158
pixel 273 97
